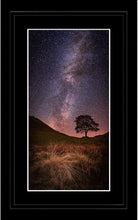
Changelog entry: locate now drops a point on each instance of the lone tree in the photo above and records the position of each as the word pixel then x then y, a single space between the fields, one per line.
pixel 85 123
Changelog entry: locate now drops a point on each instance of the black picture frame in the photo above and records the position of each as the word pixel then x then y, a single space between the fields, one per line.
pixel 121 200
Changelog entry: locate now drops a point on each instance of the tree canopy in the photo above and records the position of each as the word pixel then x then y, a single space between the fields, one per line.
pixel 85 123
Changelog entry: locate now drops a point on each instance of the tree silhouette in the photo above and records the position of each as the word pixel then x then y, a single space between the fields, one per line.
pixel 85 123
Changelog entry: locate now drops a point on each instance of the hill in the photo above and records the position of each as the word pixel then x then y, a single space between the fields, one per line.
pixel 61 162
pixel 42 134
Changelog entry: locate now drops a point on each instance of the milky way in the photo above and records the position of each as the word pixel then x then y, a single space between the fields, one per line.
pixel 69 76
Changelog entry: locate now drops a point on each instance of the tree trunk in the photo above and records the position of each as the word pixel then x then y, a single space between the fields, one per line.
pixel 85 133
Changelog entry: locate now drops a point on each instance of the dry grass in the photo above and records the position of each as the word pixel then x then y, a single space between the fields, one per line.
pixel 68 167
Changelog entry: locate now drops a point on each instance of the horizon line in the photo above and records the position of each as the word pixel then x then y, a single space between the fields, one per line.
pixel 65 133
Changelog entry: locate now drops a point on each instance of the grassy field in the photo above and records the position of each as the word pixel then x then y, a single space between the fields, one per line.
pixel 61 162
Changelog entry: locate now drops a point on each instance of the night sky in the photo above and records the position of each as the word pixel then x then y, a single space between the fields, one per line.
pixel 68 77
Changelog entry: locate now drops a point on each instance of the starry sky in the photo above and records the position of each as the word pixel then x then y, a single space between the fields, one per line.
pixel 68 77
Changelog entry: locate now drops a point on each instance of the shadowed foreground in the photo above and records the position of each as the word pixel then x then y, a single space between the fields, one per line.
pixel 60 162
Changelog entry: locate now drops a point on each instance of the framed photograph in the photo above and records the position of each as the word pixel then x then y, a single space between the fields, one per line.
pixel 68 92
pixel 65 84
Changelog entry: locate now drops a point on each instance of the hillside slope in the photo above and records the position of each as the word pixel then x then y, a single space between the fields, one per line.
pixel 42 134
pixel 61 162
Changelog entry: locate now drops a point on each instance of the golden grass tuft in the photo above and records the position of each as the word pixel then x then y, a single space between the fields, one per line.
pixel 67 167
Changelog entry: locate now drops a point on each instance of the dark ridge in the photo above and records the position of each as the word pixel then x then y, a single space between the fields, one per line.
pixel 35 123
